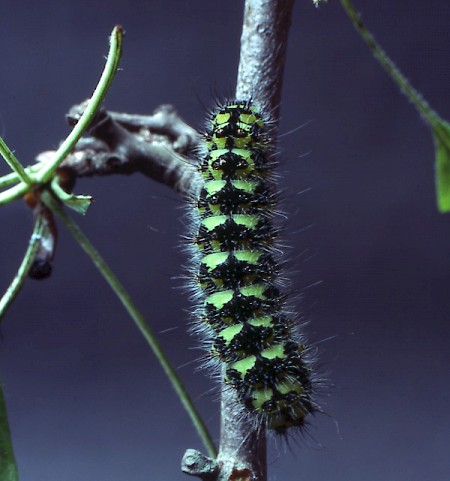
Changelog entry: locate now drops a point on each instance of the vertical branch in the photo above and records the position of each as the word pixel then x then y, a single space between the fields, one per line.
pixel 263 52
pixel 242 453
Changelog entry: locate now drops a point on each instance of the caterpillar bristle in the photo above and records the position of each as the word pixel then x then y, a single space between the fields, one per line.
pixel 240 290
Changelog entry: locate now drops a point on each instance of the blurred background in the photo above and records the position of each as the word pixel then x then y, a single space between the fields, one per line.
pixel 370 253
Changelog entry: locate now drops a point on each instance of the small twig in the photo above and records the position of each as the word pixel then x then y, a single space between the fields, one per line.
pixel 28 259
pixel 12 161
pixel 92 106
pixel 164 121
pixel 13 178
pixel 411 93
pixel 157 146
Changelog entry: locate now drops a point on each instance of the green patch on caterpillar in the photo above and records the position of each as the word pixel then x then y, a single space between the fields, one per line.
pixel 237 272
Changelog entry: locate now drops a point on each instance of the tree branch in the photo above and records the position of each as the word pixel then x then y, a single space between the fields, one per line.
pixel 158 146
pixel 263 52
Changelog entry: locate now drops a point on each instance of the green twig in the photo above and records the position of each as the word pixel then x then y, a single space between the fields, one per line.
pixel 13 193
pixel 12 161
pixel 112 62
pixel 22 272
pixel 8 467
pixel 413 95
pixel 439 127
pixel 13 178
pixel 137 317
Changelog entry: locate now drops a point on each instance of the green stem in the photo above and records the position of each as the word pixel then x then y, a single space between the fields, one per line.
pixel 137 317
pixel 14 288
pixel 439 127
pixel 13 193
pixel 13 178
pixel 12 161
pixel 8 467
pixel 413 95
pixel 112 62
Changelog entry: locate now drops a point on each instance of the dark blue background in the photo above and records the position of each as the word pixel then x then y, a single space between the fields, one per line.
pixel 86 398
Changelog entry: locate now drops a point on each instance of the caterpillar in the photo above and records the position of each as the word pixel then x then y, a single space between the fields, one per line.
pixel 242 304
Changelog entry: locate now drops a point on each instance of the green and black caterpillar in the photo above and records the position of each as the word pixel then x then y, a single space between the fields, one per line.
pixel 242 304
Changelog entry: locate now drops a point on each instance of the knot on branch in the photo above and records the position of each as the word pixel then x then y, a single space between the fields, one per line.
pixel 194 463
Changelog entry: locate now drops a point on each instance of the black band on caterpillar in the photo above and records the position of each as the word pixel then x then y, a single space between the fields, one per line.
pixel 252 331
